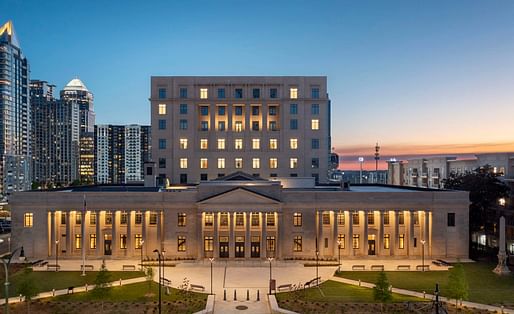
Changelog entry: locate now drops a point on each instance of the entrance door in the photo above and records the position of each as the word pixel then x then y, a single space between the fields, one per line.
pixel 240 247
pixel 255 247
pixel 107 244
pixel 224 247
pixel 371 244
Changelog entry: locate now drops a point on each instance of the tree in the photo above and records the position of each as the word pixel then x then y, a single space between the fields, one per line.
pixel 381 290
pixel 102 282
pixel 27 287
pixel 149 277
pixel 457 283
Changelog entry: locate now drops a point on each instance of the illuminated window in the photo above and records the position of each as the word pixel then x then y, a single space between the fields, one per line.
pixel 221 163
pixel 340 219
pixel 108 218
pixel 293 93
pixel 386 217
pixel 92 218
pixel 415 217
pixel 293 163
pixel 401 218
pixel 238 126
pixel 325 218
pixel 255 219
pixel 28 220
pixel 270 243
pixel 315 124
pixel 401 243
pixel 203 163
pixel 123 218
pixel 355 241
pixel 123 241
pixel 239 163
pixel 371 218
pixel 181 243
pixel 293 143
pixel 209 219
pixel 270 219
pixel 355 218
pixel 221 143
pixel 240 219
pixel 92 241
pixel 162 109
pixel 139 218
pixel 387 241
pixel 341 242
pixel 238 143
pixel 273 163
pixel 501 201
pixel 208 243
pixel 204 143
pixel 183 143
pixel 297 244
pixel 138 241
pixel 256 143
pixel 181 219
pixel 297 219
pixel 183 163
pixel 273 143
pixel 224 219
pixel 78 241
pixel 256 163
pixel 204 93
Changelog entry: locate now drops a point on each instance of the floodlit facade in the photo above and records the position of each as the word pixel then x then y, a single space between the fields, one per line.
pixel 15 158
pixel 269 126
pixel 242 217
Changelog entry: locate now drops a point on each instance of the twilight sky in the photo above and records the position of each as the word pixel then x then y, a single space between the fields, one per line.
pixel 420 77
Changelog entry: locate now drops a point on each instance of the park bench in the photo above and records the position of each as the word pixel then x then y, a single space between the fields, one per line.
pixel 286 287
pixel 87 267
pixel 403 267
pixel 313 281
pixel 422 267
pixel 358 267
pixel 165 282
pixel 53 266
pixel 443 263
pixel 129 267
pixel 70 290
pixel 377 267
pixel 44 263
pixel 437 263
pixel 37 263
pixel 197 288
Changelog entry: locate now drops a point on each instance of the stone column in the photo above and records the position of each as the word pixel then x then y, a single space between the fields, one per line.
pixel 395 236
pixel 247 235
pixel 130 241
pixel 425 231
pixel 320 232
pixel 114 232
pixel 365 232
pixel 264 250
pixel 411 249
pixel 232 238
pixel 430 232
pixel 199 235
pixel 350 233
pixel 380 240
pixel 335 246
pixel 216 237
pixel 99 241
pixel 159 230
pixel 146 244
pixel 69 242
pixel 51 247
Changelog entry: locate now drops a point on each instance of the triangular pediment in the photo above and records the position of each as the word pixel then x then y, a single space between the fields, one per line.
pixel 239 196
pixel 239 176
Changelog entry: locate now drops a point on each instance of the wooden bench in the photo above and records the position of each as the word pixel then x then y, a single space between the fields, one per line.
pixel 286 287
pixel 403 267
pixel 197 288
pixel 358 267
pixel 377 267
pixel 129 267
pixel 37 263
pixel 44 263
pixel 165 282
pixel 443 263
pixel 437 263
pixel 87 267
pixel 420 267
pixel 53 266
pixel 309 283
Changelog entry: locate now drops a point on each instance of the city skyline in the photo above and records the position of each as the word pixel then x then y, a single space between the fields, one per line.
pixel 416 85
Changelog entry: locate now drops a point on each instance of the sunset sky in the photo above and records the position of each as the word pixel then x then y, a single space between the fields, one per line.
pixel 419 77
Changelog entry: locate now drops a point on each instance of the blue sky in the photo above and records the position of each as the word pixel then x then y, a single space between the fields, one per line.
pixel 418 76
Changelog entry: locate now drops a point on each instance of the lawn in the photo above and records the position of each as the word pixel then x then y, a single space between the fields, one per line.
pixel 484 285
pixel 46 281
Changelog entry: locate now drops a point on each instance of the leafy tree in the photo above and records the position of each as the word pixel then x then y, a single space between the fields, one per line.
pixel 457 283
pixel 381 290
pixel 102 282
pixel 27 287
pixel 35 185
pixel 149 277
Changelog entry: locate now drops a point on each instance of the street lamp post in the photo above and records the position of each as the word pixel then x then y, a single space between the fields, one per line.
pixel 142 242
pixel 423 254
pixel 361 160
pixel 270 259
pixel 317 265
pixel 211 259
pixel 160 279
pixel 339 255
pixel 6 260
pixel 56 255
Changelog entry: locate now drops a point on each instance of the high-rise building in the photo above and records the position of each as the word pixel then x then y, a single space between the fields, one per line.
pixel 55 137
pixel 209 127
pixel 76 91
pixel 121 151
pixel 15 119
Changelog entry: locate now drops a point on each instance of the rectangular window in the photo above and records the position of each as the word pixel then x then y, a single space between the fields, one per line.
pixel 256 93
pixel 255 125
pixel 204 110
pixel 138 241
pixel 355 218
pixel 221 110
pixel 315 143
pixel 162 93
pixel 221 93
pixel 162 162
pixel 162 109
pixel 371 218
pixel 183 92
pixel 238 125
pixel 293 109
pixel 183 108
pixel 256 143
pixel 224 219
pixel 293 93
pixel 183 143
pixel 183 124
pixel 78 218
pixel 255 110
pixel 123 218
pixel 401 242
pixel 238 144
pixel 204 143
pixel 255 219
pixel 221 126
pixel 162 143
pixel 273 93
pixel 240 219
pixel 451 219
pixel 209 219
pixel 293 163
pixel 92 241
pixel 297 219
pixel 272 126
pixel 270 219
pixel 108 218
pixel 139 218
pixel 315 124
pixel 183 163
pixel 204 126
pixel 78 241
pixel 203 163
pixel 92 218
pixel 401 218
pixel 256 163
pixel 162 124
pixel 273 163
pixel 415 242
pixel 293 124
pixel 341 241
pixel 297 244
pixel 123 241
pixel 204 93
pixel 221 163
pixel 181 243
pixel 272 110
pixel 386 217
pixel 387 241
pixel 270 244
pixel 314 163
pixel 221 143
pixel 315 109
pixel 325 217
pixel 239 110
pixel 273 143
pixel 238 163
pixel 326 243
pixel 315 93
pixel 181 219
pixel 153 218
pixel 63 218
pixel 355 241
pixel 208 243
pixel 293 143
pixel 340 219
pixel 238 93
pixel 203 176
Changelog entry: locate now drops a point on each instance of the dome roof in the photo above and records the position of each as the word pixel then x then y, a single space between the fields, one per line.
pixel 76 84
